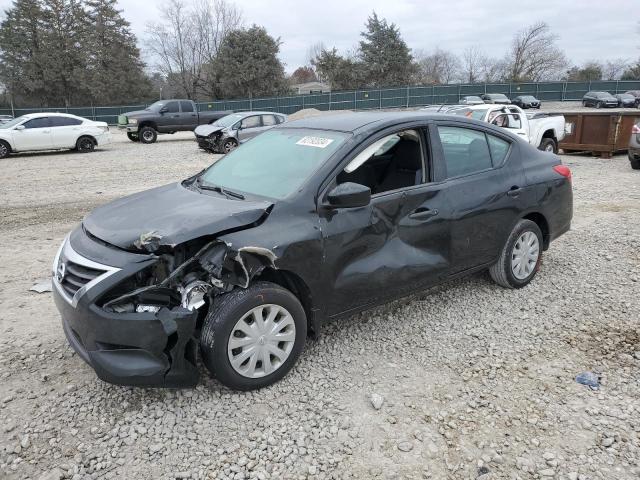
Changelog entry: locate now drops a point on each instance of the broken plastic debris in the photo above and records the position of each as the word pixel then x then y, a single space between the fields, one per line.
pixel 42 286
pixel 590 379
pixel 149 241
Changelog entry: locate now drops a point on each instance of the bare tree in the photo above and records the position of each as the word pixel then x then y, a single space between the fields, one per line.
pixel 613 69
pixel 437 67
pixel 186 41
pixel 472 63
pixel 534 55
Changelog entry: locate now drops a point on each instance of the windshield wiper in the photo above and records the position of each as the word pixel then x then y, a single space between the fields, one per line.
pixel 215 188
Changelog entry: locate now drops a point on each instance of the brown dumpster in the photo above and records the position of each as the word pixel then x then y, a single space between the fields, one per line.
pixel 604 133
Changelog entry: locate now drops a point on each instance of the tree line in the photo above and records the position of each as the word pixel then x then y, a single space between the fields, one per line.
pixel 83 52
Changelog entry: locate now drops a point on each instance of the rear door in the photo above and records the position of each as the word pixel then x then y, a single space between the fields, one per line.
pixel 486 189
pixel 65 131
pixel 36 135
pixel 188 115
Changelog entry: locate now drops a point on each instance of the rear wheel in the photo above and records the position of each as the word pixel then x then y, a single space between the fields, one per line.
pixel 85 144
pixel 134 137
pixel 598 104
pixel 548 145
pixel 521 256
pixel 5 149
pixel 584 103
pixel 635 162
pixel 148 135
pixel 252 337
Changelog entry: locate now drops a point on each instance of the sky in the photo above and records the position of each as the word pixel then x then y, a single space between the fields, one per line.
pixel 587 29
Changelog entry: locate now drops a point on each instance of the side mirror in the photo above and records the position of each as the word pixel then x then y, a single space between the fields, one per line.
pixel 20 127
pixel 349 195
pixel 163 110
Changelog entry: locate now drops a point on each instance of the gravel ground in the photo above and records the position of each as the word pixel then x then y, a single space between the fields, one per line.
pixel 466 381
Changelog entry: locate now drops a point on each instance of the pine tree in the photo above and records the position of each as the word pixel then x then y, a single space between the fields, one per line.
pixel 115 73
pixel 248 66
pixel 385 54
pixel 22 58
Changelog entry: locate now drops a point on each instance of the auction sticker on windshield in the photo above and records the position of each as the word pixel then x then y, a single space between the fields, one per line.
pixel 317 142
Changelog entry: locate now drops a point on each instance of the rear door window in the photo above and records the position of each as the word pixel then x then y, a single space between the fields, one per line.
pixel 498 148
pixel 269 120
pixel 466 151
pixel 187 107
pixel 64 121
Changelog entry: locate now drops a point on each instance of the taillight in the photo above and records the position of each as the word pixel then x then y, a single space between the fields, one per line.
pixel 635 129
pixel 563 170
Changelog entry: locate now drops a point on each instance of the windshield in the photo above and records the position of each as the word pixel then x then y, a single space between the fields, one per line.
pixel 626 96
pixel 228 120
pixel 14 122
pixel 498 96
pixel 274 164
pixel 528 98
pixel 156 106
pixel 477 114
pixel 474 99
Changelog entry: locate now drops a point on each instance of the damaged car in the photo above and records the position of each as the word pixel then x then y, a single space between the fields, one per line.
pixel 313 220
pixel 227 133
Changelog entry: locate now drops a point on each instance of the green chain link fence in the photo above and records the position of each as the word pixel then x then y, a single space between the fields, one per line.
pixel 366 99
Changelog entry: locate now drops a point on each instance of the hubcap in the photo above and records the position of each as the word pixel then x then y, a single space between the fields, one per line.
pixel 261 341
pixel 148 136
pixel 524 256
pixel 229 146
pixel 549 148
pixel 3 150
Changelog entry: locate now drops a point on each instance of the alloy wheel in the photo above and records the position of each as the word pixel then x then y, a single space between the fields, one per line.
pixel 148 136
pixel 549 148
pixel 228 146
pixel 261 341
pixel 4 151
pixel 525 254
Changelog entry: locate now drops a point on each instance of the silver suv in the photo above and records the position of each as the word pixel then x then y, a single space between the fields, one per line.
pixel 228 132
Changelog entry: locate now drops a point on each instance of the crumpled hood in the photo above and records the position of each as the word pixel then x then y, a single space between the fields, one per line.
pixel 206 130
pixel 170 215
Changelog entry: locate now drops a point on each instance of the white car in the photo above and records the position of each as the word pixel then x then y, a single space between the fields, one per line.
pixel 542 130
pixel 52 131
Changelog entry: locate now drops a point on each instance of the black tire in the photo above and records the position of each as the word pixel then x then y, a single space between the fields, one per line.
pixel 229 144
pixel 501 272
pixel 548 143
pixel 221 320
pixel 5 149
pixel 134 137
pixel 148 135
pixel 85 144
pixel 635 163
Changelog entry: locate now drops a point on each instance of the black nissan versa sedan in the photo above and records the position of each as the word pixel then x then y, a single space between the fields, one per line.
pixel 312 220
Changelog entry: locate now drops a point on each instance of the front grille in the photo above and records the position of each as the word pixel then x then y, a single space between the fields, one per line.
pixel 77 276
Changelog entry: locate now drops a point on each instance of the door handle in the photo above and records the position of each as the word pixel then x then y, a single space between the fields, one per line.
pixel 423 213
pixel 514 191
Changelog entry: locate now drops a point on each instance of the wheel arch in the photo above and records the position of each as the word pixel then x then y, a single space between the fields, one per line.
pixel 540 220
pixel 8 144
pixel 147 123
pixel 87 135
pixel 296 285
pixel 550 133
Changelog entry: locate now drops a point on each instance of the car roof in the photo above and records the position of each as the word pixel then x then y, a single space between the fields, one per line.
pixel 247 114
pixel 51 114
pixel 352 122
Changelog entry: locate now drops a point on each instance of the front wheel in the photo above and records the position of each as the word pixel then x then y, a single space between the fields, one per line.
pixel 599 105
pixel 148 135
pixel 520 257
pixel 548 145
pixel 635 162
pixel 229 145
pixel 85 144
pixel 134 137
pixel 252 337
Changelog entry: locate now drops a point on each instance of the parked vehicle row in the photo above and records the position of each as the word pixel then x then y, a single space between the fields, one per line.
pixel 5 119
pixel 165 116
pixel 597 99
pixel 310 221
pixel 52 131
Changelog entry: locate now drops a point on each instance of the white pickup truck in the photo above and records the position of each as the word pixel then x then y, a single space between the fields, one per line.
pixel 543 130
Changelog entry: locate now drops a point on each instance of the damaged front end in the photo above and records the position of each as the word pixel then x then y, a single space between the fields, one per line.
pixel 135 315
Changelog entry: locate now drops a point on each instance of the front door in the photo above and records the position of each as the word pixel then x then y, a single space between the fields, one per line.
pixel 36 135
pixel 400 241
pixel 249 128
